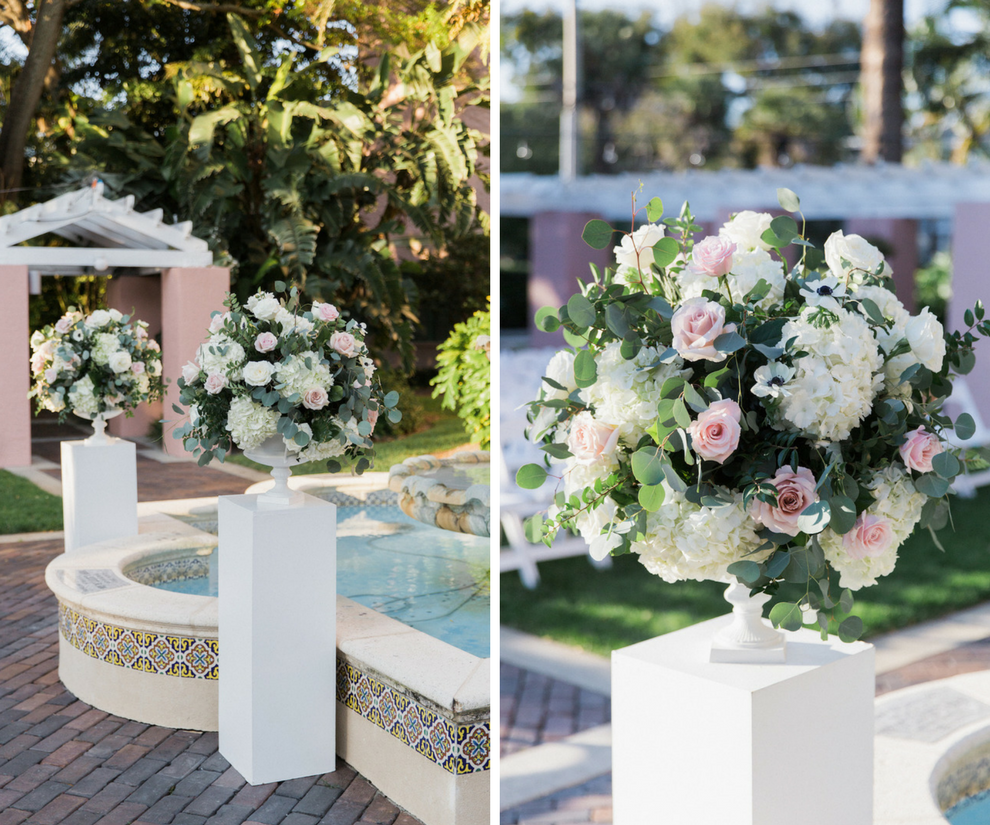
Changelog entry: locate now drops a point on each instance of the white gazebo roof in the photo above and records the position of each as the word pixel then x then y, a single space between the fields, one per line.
pixel 930 190
pixel 109 234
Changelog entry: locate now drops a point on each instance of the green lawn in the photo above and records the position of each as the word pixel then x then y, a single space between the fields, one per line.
pixel 25 508
pixel 604 610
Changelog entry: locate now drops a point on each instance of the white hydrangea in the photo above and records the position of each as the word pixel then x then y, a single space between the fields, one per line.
pixel 745 230
pixel 249 423
pixel 627 393
pixel 690 541
pixel 748 269
pixel 325 449
pixel 105 344
pixel 223 355
pixel 293 376
pixel 83 398
pixel 835 383
pixel 292 323
pixel 896 500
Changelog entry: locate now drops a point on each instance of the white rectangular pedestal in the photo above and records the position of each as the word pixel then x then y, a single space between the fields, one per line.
pixel 277 616
pixel 99 492
pixel 739 744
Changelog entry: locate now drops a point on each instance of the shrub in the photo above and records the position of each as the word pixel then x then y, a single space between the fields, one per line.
pixel 464 376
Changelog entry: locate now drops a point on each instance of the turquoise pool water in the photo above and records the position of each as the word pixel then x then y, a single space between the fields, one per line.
pixel 974 810
pixel 430 579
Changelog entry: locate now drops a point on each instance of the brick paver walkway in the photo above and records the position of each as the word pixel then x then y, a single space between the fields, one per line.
pixel 535 709
pixel 157 481
pixel 63 761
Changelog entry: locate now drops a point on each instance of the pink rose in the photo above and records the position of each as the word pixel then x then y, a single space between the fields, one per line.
pixel 590 440
pixel 63 325
pixel 871 536
pixel 140 333
pixel 372 418
pixel 919 450
pixel 795 491
pixel 326 312
pixel 344 343
pixel 265 342
pixel 215 382
pixel 137 367
pixel 51 374
pixel 315 398
pixel 715 433
pixel 696 325
pixel 713 255
pixel 38 362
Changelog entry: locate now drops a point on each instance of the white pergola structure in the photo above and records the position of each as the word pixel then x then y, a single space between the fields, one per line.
pixel 162 274
pixel 880 201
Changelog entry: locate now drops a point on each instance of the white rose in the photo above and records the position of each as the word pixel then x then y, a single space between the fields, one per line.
pixel 99 319
pixel 258 373
pixel 37 339
pixel 265 309
pixel 636 250
pixel 856 250
pixel 746 229
pixel 116 314
pixel 925 335
pixel 190 372
pixel 120 361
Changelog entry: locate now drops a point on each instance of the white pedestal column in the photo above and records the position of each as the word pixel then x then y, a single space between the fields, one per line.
pixel 741 744
pixel 99 492
pixel 277 612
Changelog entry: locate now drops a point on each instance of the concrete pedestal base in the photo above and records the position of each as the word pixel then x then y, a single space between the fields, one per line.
pixel 99 492
pixel 277 630
pixel 742 744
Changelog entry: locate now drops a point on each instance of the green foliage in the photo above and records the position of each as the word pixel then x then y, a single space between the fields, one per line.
pixel 933 284
pixel 292 174
pixel 464 377
pixel 654 98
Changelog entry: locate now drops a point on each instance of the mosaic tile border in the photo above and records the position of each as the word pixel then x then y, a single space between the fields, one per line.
pixel 162 654
pixel 458 749
pixel 190 567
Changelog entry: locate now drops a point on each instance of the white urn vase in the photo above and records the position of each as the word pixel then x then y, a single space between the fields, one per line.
pixel 273 453
pixel 99 420
pixel 748 637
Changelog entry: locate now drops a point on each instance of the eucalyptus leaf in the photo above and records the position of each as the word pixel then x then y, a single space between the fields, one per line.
pixel 654 210
pixel 597 234
pixel 581 311
pixel 647 467
pixel 786 616
pixel 746 571
pixel 651 497
pixel 530 476
pixel 946 465
pixel 965 426
pixel 585 369
pixel 788 200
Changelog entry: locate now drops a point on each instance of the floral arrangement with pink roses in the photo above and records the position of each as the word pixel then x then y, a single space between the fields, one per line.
pixel 271 370
pixel 723 414
pixel 92 365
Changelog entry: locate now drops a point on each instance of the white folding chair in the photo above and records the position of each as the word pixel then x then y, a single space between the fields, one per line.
pixel 521 371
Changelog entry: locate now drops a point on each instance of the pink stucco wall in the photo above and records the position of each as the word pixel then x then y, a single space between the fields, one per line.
pixel 142 298
pixel 15 409
pixel 188 298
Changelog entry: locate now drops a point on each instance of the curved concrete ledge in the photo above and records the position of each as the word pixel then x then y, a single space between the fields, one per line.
pixel 403 698
pixel 931 748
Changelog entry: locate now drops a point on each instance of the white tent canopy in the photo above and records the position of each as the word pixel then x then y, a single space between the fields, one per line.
pixel 107 233
pixel 930 190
